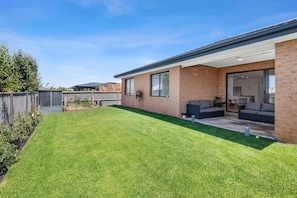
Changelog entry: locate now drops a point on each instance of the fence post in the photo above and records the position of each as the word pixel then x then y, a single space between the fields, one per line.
pixel 51 101
pixel 99 102
pixel 27 102
pixel 10 120
pixel 92 99
pixel 36 98
pixel 118 97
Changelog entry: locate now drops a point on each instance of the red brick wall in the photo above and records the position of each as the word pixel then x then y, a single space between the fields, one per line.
pixel 189 83
pixel 110 87
pixel 286 91
pixel 197 82
pixel 165 105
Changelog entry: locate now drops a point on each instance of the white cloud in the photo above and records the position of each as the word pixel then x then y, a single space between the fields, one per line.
pixel 112 6
pixel 85 3
pixel 120 6
pixel 69 61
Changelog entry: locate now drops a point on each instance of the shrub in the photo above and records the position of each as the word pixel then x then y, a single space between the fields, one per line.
pixel 5 133
pixel 7 153
pixel 36 115
pixel 22 128
pixel 87 102
pixel 12 138
pixel 217 101
pixel 77 101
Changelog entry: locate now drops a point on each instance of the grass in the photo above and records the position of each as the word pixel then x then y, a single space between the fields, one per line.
pixel 123 152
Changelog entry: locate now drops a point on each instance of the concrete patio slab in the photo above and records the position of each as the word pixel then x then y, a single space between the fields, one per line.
pixel 230 121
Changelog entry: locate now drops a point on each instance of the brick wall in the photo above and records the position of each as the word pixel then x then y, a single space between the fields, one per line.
pixel 110 87
pixel 286 91
pixel 165 105
pixel 189 83
pixel 197 82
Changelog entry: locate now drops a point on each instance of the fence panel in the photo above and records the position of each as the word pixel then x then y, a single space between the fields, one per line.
pixel 50 101
pixel 96 97
pixel 15 103
pixel 20 103
pixel 110 98
pixel 5 107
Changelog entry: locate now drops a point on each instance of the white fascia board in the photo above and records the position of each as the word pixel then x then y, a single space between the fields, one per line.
pixel 151 70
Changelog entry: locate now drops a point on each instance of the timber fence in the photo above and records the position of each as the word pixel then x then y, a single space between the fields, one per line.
pixel 49 101
pixel 16 103
pixel 93 98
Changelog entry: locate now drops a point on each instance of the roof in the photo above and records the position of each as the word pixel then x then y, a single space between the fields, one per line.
pixel 87 85
pixel 94 84
pixel 258 35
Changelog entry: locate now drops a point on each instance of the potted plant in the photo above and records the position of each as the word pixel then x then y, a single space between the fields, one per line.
pixel 217 101
pixel 184 115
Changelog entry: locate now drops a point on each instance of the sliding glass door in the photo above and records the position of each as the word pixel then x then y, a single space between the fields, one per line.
pixel 269 85
pixel 251 86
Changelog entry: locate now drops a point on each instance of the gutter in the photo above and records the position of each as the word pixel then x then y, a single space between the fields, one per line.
pixel 269 32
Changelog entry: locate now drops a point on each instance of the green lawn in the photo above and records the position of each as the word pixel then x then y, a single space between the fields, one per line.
pixel 122 152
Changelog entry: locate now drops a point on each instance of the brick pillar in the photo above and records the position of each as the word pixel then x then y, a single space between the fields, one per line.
pixel 286 91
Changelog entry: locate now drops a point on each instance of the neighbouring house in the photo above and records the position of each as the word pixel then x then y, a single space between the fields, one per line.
pixel 110 86
pixel 94 86
pixel 258 66
pixel 86 87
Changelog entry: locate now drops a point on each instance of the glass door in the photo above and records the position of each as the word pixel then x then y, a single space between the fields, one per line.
pixel 244 87
pixel 269 86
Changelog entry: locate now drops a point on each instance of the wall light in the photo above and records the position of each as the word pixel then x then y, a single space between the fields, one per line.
pixel 239 58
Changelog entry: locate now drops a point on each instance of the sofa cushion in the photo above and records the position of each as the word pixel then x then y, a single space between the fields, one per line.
pixel 268 107
pixel 249 111
pixel 210 103
pixel 211 109
pixel 194 102
pixel 266 113
pixel 252 106
pixel 204 104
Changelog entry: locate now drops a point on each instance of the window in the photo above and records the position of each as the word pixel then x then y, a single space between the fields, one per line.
pixel 129 87
pixel 160 84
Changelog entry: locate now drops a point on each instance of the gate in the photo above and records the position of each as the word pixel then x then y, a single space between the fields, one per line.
pixel 50 101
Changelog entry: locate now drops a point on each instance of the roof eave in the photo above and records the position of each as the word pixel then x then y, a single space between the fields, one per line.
pixel 273 32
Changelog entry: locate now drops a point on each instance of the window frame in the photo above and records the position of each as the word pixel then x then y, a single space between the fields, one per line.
pixel 161 91
pixel 128 87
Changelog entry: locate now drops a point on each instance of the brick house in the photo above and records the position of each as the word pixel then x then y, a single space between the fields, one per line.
pixel 109 86
pixel 258 66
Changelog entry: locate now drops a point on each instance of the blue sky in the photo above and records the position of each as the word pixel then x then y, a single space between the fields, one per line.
pixel 81 41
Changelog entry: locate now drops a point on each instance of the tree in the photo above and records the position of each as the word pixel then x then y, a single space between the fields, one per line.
pixel 19 72
pixel 9 79
pixel 26 69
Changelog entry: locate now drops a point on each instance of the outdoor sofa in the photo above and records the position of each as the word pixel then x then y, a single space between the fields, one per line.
pixel 262 112
pixel 204 109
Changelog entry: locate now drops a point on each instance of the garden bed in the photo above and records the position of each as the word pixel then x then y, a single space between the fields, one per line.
pixel 73 108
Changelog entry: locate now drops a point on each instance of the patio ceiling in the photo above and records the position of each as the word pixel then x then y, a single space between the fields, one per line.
pixel 260 51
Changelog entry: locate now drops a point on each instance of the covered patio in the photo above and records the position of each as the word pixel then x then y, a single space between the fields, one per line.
pixel 230 121
pixel 256 67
